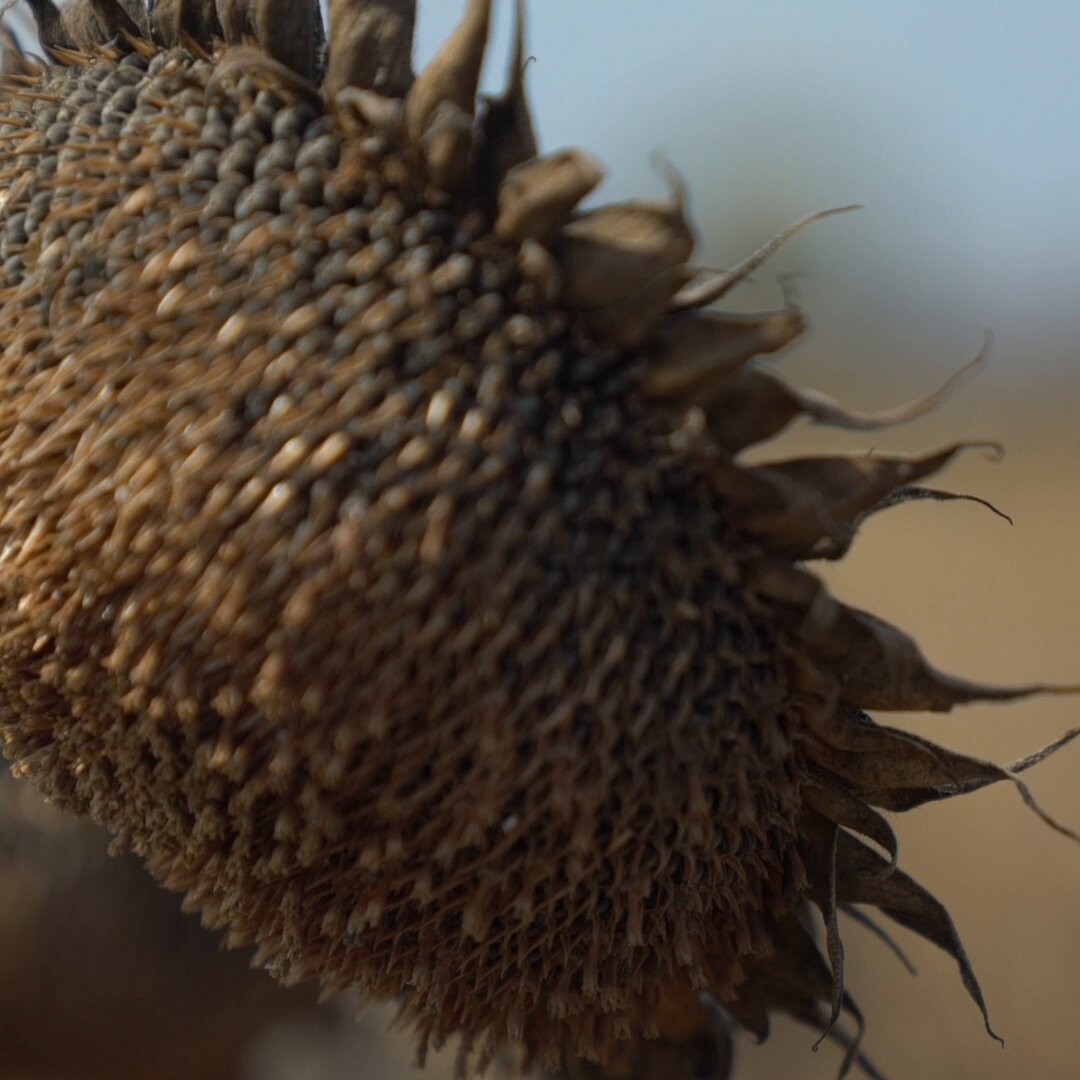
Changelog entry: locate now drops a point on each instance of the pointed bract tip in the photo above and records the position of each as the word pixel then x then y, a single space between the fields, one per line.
pixel 708 288
pixel 441 104
pixel 506 137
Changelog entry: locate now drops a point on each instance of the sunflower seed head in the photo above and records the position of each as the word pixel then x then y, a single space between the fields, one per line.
pixel 378 560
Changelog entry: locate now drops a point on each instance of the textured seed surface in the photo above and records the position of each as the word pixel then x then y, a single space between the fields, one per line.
pixel 454 684
pixel 378 563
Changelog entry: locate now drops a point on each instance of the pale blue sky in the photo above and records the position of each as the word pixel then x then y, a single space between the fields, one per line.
pixel 956 123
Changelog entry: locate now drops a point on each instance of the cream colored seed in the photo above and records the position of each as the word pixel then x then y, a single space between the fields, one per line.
pixel 440 409
pixel 415 453
pixel 286 461
pixel 330 452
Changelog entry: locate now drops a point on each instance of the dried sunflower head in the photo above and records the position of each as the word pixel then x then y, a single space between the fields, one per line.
pixel 379 560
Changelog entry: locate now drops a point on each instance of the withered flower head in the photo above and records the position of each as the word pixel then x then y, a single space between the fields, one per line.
pixel 379 562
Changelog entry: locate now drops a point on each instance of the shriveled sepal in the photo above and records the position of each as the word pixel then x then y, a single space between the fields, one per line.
pixel 440 107
pixel 858 763
pixel 850 873
pixel 691 354
pixel 121 18
pixel 288 30
pixel 82 24
pixel 850 485
pixel 536 199
pixel 798 980
pixel 12 59
pixel 50 24
pixel 246 60
pixel 778 513
pixel 898 770
pixel 837 804
pixel 96 22
pixel 899 497
pixel 505 135
pixel 753 405
pixel 170 20
pixel 876 665
pixel 622 264
pixel 823 894
pixel 811 507
pixel 707 288
pixel 860 880
pixel 370 46
pixel 881 667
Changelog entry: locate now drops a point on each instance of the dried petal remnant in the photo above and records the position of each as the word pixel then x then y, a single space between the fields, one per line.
pixel 376 559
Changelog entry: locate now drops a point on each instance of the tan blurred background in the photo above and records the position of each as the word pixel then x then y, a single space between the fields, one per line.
pixel 956 123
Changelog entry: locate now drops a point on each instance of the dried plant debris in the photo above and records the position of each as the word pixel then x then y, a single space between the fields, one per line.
pixel 378 562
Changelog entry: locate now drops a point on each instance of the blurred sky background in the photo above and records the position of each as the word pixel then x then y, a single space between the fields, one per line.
pixel 957 125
